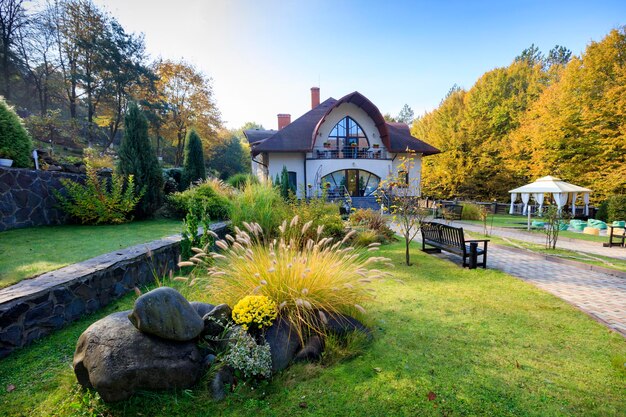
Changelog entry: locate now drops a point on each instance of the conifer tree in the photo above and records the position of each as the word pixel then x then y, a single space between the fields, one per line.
pixel 193 167
pixel 15 142
pixel 137 158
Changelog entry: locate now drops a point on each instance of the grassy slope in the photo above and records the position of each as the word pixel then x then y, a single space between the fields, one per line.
pixel 28 252
pixel 483 342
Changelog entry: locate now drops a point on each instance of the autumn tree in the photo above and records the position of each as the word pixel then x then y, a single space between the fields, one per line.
pixel 190 103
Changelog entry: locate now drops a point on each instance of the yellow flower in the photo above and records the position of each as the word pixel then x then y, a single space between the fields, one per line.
pixel 256 310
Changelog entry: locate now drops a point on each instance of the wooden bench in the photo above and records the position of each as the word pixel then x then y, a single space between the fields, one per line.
pixel 616 239
pixel 451 239
pixel 450 212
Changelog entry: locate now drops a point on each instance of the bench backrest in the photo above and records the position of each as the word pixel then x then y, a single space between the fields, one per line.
pixel 444 234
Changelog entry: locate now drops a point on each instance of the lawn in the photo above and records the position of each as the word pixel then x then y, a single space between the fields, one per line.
pixel 449 341
pixel 25 253
pixel 520 222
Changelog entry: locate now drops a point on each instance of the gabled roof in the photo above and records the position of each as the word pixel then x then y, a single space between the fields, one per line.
pixel 550 184
pixel 299 135
pixel 257 135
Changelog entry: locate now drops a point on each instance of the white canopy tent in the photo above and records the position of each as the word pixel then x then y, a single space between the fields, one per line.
pixel 562 192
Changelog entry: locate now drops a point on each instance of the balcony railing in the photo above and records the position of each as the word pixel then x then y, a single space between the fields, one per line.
pixel 349 153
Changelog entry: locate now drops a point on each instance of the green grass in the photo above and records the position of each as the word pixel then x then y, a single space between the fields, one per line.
pixel 482 342
pixel 29 252
pixel 520 222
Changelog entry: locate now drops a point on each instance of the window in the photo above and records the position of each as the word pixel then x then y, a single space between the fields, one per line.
pixel 293 181
pixel 356 182
pixel 346 134
pixel 403 176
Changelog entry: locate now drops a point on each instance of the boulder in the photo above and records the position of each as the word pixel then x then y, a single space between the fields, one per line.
pixel 166 313
pixel 312 350
pixel 116 359
pixel 216 319
pixel 341 325
pixel 202 308
pixel 223 377
pixel 284 343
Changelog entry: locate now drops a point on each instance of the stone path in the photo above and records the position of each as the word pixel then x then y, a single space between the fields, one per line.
pixel 600 295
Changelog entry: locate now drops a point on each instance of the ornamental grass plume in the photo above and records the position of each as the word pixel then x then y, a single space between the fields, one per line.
pixel 304 278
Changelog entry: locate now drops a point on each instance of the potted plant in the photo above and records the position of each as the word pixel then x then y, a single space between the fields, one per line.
pixel 353 145
pixel 5 161
pixel 327 145
pixel 376 146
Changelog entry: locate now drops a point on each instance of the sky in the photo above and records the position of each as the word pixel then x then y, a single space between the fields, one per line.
pixel 264 56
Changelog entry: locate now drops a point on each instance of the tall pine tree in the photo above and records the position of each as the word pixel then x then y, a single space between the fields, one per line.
pixel 137 158
pixel 193 167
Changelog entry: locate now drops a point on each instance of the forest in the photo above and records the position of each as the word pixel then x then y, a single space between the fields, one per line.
pixel 70 70
pixel 544 114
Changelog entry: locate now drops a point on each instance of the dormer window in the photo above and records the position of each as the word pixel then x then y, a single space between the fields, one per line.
pixel 347 134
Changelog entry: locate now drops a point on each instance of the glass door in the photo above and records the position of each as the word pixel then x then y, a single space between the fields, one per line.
pixel 352 182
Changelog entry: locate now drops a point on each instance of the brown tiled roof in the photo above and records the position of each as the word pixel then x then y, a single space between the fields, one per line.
pixel 298 135
pixel 257 135
pixel 401 138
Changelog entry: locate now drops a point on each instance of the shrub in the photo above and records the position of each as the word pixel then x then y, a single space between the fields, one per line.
pixel 321 213
pixel 240 181
pixel 221 188
pixel 15 142
pixel 603 211
pixel 259 203
pixel 97 161
pixel 137 158
pixel 471 211
pixel 172 178
pixel 616 208
pixel 248 357
pixel 193 166
pixel 305 280
pixel 201 199
pixel 96 202
pixel 365 238
pixel 375 221
pixel 255 312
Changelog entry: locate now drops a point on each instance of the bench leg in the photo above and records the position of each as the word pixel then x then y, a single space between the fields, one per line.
pixel 473 255
pixel 485 256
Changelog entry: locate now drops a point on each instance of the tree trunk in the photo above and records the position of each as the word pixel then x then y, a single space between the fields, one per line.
pixel 407 254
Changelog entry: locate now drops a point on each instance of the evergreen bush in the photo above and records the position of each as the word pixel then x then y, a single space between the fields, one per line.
pixel 193 167
pixel 239 181
pixel 98 201
pixel 616 208
pixel 15 142
pixel 201 198
pixel 137 158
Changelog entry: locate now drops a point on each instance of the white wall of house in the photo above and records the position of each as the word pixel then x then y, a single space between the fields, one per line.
pixel 260 166
pixel 415 171
pixel 294 161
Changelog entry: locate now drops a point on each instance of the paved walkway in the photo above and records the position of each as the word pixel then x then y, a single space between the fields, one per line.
pixel 600 295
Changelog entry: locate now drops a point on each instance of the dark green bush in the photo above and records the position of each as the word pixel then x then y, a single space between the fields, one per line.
pixel 193 167
pixel 99 201
pixel 137 158
pixel 603 211
pixel 321 213
pixel 172 178
pixel 616 208
pixel 15 142
pixel 199 198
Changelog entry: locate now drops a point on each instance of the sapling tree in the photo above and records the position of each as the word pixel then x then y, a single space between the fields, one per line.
pixel 401 193
pixel 553 218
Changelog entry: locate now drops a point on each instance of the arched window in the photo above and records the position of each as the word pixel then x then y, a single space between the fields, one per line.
pixel 356 182
pixel 347 133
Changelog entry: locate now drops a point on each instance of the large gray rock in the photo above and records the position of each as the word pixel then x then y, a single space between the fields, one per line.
pixel 201 308
pixel 223 378
pixel 311 351
pixel 216 319
pixel 116 359
pixel 284 343
pixel 341 325
pixel 166 313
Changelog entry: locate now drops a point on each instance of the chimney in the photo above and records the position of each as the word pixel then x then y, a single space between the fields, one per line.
pixel 283 120
pixel 315 97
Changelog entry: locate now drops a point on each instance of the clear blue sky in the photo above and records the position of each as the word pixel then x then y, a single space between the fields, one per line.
pixel 264 56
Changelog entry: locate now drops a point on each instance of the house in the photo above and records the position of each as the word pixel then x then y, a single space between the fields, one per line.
pixel 344 145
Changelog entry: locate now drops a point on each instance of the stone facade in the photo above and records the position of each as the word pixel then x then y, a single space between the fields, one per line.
pixel 35 307
pixel 26 197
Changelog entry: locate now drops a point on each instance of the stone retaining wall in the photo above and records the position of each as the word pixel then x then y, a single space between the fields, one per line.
pixel 35 307
pixel 26 197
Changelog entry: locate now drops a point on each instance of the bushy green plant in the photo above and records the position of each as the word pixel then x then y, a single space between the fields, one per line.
pixel 15 142
pixel 365 238
pixel 259 203
pixel 245 355
pixel 372 220
pixel 471 212
pixel 190 235
pixel 137 158
pixel 240 181
pixel 193 166
pixel 306 280
pixel 616 208
pixel 603 211
pixel 98 203
pixel 321 213
pixel 200 198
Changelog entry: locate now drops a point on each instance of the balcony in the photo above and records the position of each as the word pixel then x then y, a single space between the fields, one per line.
pixel 349 153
